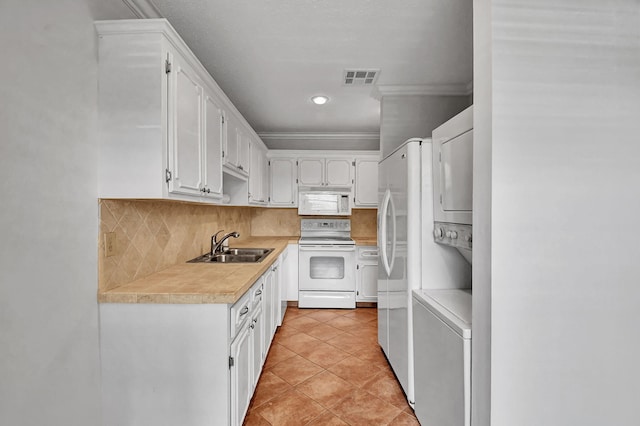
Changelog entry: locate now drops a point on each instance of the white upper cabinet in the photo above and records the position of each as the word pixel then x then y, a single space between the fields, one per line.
pixel 214 132
pixel 185 128
pixel 195 123
pixel 311 171
pixel 366 183
pixel 236 153
pixel 164 124
pixel 338 172
pixel 244 154
pixel 258 192
pixel 283 182
pixel 232 145
pixel 265 175
pixel 331 172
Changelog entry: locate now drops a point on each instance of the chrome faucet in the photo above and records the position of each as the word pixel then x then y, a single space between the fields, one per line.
pixel 216 246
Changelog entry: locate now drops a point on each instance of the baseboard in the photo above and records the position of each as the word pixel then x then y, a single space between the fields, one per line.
pixel 294 304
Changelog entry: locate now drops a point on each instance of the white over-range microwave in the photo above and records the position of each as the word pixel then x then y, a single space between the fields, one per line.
pixel 324 203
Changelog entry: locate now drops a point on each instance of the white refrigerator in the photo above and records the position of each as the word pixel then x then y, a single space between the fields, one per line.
pixel 408 257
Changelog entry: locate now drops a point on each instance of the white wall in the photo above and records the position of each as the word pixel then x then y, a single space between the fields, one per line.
pixel 565 202
pixel 414 116
pixel 481 273
pixel 49 365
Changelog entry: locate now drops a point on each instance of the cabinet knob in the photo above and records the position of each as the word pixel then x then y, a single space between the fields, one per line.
pixel 208 191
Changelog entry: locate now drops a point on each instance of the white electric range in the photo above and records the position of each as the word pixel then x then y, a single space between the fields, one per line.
pixel 327 264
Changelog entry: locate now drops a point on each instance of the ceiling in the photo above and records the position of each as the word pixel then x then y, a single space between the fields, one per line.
pixel 271 56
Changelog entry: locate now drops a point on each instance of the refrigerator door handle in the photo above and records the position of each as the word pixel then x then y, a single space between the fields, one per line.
pixel 393 233
pixel 383 231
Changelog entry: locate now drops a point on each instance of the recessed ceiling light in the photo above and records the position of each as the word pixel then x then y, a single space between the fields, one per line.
pixel 319 100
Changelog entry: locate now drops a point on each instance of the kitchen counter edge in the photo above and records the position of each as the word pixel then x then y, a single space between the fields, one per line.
pixel 199 283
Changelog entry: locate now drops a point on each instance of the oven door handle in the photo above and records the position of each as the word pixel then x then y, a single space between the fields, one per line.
pixel 327 248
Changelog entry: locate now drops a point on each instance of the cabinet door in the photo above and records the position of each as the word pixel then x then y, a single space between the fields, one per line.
pixel 244 152
pixel 311 171
pixel 256 177
pixel 338 172
pixel 366 185
pixel 284 189
pixel 234 134
pixel 267 306
pixel 264 180
pixel 367 282
pixel 277 298
pixel 212 149
pixel 241 377
pixel 185 103
pixel 254 184
pixel 257 345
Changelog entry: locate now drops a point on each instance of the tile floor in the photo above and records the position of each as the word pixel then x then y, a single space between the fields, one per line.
pixel 325 368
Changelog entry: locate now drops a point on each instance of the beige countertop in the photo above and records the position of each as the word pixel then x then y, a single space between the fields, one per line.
pixel 194 283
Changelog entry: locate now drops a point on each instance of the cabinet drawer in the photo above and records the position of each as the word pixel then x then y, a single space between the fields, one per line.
pixel 239 313
pixel 257 294
pixel 368 253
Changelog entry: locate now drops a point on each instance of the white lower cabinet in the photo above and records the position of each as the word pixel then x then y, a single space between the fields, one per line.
pixel 289 274
pixel 268 307
pixel 241 363
pixel 367 274
pixel 275 296
pixel 191 364
pixel 257 344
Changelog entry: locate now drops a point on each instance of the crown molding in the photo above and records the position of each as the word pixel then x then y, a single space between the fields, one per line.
pixel 421 90
pixel 143 9
pixel 318 136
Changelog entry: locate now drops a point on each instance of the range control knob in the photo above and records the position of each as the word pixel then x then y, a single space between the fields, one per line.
pixel 467 238
pixel 453 235
pixel 438 233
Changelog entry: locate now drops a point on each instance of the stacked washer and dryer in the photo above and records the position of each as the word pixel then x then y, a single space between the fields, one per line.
pixel 442 316
pixel 413 262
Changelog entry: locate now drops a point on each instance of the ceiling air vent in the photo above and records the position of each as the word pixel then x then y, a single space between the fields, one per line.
pixel 360 77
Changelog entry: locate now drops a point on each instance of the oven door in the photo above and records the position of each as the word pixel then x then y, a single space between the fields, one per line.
pixel 327 267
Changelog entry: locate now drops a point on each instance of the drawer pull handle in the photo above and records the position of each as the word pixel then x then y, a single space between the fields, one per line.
pixel 244 311
pixel 258 292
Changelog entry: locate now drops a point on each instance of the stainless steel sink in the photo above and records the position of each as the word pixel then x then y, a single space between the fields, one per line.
pixel 237 255
pixel 248 251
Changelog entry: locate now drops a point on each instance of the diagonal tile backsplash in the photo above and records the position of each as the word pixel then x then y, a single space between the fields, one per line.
pixel 153 235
